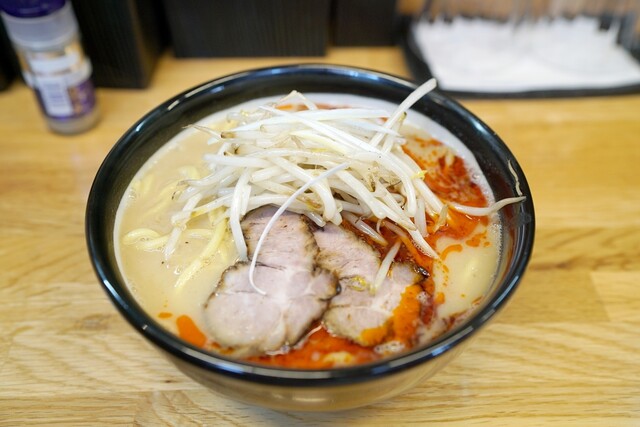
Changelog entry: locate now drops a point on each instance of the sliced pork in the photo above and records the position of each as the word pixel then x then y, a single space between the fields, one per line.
pixel 355 263
pixel 290 241
pixel 351 258
pixel 353 312
pixel 296 289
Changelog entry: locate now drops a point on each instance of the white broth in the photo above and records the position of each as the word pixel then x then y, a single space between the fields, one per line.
pixel 461 277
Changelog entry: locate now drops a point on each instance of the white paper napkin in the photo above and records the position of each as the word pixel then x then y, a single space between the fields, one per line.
pixel 475 55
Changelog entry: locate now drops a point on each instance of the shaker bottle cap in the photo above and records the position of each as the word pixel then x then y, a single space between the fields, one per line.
pixel 39 24
pixel 30 8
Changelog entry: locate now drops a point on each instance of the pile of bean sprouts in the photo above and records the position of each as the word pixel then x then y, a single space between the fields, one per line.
pixel 327 164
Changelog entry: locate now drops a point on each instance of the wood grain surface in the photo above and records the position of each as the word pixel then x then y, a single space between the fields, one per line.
pixel 566 350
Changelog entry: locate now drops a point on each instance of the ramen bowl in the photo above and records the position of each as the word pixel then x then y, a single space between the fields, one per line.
pixel 303 389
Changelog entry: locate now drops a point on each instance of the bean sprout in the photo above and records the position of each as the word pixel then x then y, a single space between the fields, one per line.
pixel 327 164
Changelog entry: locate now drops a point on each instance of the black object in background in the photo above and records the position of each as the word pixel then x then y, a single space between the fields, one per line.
pixel 123 39
pixel 224 28
pixel 364 22
pixel 8 62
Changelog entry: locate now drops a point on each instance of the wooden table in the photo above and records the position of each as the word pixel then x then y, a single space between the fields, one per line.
pixel 566 350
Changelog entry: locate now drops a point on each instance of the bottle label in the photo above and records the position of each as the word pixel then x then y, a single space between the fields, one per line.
pixel 60 100
pixel 61 80
pixel 54 64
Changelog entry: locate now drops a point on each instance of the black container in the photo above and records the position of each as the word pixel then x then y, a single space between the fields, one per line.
pixel 290 389
pixel 222 28
pixel 364 22
pixel 123 39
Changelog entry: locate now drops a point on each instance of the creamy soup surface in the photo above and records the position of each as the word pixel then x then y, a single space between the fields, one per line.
pixel 460 278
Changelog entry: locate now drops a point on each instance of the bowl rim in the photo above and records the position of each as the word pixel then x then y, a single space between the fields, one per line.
pixel 167 341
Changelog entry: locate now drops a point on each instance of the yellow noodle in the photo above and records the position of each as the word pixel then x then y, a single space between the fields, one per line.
pixel 138 234
pixel 208 252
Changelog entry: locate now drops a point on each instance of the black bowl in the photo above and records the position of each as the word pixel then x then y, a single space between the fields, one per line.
pixel 305 389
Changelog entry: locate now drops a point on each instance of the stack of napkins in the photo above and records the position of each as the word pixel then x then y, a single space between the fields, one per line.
pixel 483 56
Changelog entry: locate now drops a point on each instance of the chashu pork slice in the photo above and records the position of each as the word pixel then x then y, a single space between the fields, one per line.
pixel 349 257
pixel 296 289
pixel 356 263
